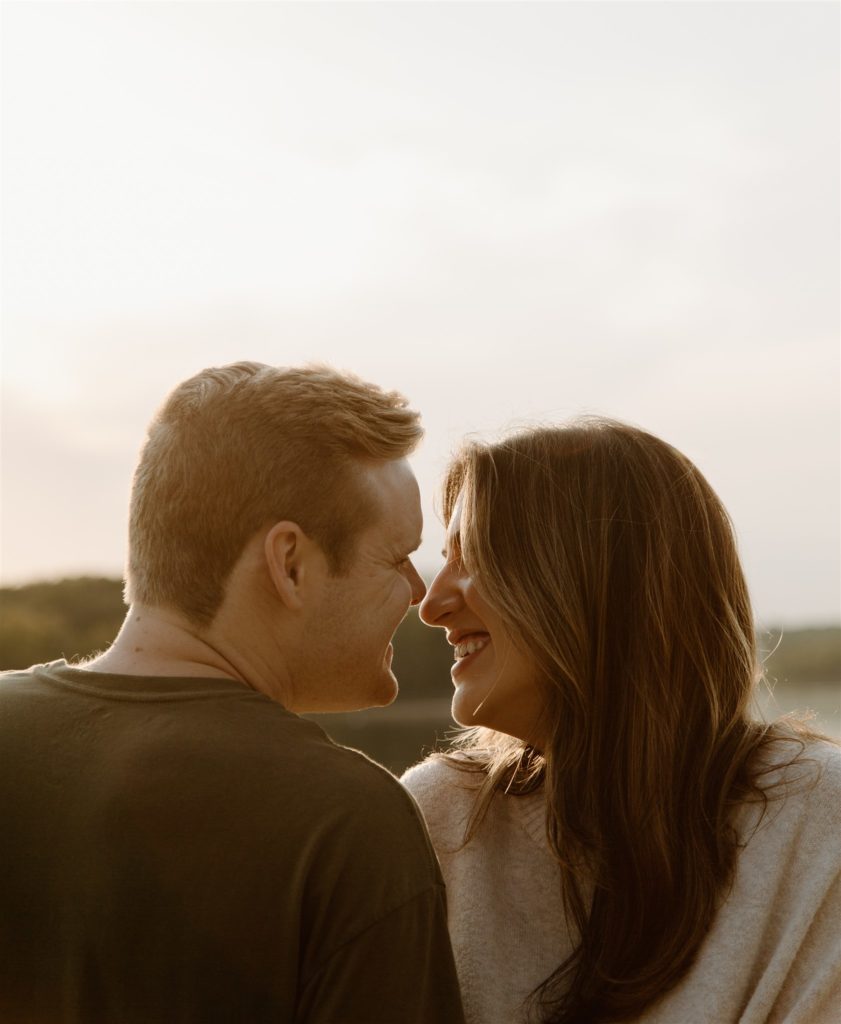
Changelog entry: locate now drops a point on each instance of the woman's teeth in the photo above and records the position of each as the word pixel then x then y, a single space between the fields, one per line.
pixel 475 643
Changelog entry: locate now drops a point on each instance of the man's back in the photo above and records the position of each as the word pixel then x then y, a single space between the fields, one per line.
pixel 187 850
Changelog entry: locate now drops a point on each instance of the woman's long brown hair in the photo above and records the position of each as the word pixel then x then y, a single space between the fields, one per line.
pixel 614 564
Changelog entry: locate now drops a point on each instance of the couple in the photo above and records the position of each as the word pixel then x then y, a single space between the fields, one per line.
pixel 618 840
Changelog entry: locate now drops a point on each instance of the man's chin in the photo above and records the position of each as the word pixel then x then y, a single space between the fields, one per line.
pixel 383 695
pixel 362 698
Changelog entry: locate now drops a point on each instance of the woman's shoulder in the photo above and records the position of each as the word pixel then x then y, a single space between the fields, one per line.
pixel 801 779
pixel 821 766
pixel 445 792
pixel 442 774
pixel 826 757
pixel 807 766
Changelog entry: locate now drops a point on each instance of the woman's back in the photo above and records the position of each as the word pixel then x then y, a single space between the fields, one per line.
pixel 772 954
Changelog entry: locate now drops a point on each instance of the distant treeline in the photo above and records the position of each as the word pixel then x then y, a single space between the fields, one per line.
pixel 73 618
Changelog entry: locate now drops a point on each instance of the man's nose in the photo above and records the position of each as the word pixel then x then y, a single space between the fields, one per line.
pixel 418 587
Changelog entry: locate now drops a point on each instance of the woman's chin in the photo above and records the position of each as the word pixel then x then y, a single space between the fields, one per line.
pixel 468 712
pixel 465 710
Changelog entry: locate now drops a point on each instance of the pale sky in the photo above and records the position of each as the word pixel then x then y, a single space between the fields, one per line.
pixel 512 212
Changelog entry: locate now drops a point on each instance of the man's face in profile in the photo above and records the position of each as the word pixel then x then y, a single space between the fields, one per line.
pixel 348 639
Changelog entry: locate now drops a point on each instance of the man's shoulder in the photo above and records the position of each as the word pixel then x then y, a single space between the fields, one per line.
pixel 359 823
pixel 353 778
pixel 18 686
pixel 336 793
pixel 16 676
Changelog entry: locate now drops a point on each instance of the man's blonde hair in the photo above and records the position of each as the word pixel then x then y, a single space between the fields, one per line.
pixel 239 447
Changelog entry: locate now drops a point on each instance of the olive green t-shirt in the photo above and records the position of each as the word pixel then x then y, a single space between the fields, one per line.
pixel 186 850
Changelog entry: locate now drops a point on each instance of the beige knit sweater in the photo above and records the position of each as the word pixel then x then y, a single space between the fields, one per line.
pixel 772 956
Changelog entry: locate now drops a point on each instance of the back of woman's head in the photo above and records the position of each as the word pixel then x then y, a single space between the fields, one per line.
pixel 614 564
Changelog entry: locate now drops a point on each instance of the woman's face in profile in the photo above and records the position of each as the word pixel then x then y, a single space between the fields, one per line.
pixel 495 682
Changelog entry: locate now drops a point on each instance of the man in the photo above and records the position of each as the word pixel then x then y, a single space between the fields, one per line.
pixel 178 845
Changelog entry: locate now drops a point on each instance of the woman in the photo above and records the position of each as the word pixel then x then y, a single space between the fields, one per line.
pixel 620 840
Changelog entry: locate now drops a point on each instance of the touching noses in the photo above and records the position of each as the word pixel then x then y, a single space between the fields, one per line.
pixel 442 598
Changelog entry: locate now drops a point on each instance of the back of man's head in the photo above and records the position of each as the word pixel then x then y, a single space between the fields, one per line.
pixel 240 447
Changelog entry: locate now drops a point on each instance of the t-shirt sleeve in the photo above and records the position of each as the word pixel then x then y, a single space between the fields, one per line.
pixel 399 970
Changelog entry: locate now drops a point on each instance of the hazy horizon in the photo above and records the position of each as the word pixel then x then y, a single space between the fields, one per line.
pixel 510 212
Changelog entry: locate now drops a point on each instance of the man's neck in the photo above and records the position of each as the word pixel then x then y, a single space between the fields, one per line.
pixel 156 642
pixel 242 644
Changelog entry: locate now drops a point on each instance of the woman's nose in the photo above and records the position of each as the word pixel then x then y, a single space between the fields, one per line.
pixel 442 597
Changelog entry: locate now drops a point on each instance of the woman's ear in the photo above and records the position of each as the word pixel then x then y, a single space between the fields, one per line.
pixel 288 553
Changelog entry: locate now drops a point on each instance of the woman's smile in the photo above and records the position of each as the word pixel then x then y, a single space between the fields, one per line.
pixel 466 651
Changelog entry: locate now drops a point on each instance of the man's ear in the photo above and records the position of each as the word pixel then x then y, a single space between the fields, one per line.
pixel 289 557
